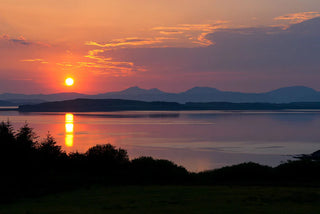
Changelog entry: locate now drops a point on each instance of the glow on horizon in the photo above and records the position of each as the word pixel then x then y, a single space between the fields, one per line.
pixel 42 41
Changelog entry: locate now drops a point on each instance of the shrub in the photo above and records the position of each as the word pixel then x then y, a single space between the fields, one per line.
pixel 151 170
pixel 49 150
pixel 106 156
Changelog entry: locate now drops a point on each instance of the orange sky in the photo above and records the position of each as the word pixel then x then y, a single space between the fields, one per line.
pixel 44 41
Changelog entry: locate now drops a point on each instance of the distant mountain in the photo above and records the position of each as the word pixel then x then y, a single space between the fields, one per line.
pixel 293 94
pixel 20 99
pixel 134 93
pixel 96 105
pixel 207 94
pixel 196 94
pixel 6 103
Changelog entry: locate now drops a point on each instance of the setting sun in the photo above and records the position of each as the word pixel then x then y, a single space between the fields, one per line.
pixel 69 81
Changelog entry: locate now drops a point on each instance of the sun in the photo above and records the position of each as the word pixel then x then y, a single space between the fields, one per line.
pixel 69 81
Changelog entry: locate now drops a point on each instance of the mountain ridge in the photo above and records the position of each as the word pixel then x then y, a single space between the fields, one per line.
pixel 195 94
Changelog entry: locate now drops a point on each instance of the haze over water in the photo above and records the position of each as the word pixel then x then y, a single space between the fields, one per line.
pixel 197 140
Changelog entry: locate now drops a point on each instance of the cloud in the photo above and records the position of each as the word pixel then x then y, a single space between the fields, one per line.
pixel 22 79
pixel 35 60
pixel 106 65
pixel 171 32
pixel 296 18
pixel 194 27
pixel 184 35
pixel 257 49
pixel 129 42
pixel 4 37
pixel 194 33
pixel 21 40
pixel 102 65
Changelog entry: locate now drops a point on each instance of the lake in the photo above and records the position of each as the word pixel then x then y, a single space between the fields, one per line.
pixel 197 140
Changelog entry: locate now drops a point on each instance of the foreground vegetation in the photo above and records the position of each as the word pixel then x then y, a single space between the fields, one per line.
pixel 33 168
pixel 173 199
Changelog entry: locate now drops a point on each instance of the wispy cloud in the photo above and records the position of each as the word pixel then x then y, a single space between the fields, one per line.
pixel 102 65
pixel 194 33
pixel 109 66
pixel 181 35
pixel 22 79
pixel 129 42
pixel 296 18
pixel 21 40
pixel 4 37
pixel 243 50
pixel 34 60
pixel 192 27
pixel 172 32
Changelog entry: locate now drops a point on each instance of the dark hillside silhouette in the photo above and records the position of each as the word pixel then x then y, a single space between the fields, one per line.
pixel 7 103
pixel 196 94
pixel 84 105
pixel 96 105
pixel 33 167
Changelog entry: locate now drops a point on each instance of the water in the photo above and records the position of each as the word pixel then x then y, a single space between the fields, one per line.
pixel 197 140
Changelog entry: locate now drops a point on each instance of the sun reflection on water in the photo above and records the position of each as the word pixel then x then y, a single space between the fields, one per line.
pixel 69 130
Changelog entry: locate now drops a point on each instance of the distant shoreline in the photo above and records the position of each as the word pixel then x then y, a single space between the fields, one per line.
pixel 9 108
pixel 111 105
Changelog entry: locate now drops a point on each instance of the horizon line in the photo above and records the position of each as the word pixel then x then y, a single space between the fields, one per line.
pixel 89 94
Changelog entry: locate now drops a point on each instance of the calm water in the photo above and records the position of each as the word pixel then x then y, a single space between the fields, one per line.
pixel 198 140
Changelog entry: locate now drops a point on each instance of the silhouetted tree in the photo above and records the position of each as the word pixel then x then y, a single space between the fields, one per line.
pixel 7 144
pixel 25 149
pixel 107 156
pixel 6 133
pixel 26 138
pixel 77 161
pixel 244 173
pixel 315 156
pixel 149 170
pixel 49 150
pixel 76 156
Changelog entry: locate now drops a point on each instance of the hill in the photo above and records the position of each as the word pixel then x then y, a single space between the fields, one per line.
pixel 6 103
pixel 94 105
pixel 196 94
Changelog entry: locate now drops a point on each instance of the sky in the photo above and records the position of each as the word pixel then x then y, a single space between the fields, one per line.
pixel 110 45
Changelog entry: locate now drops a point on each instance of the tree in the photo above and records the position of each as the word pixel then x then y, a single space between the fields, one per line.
pixel 49 150
pixel 6 133
pixel 107 155
pixel 26 138
pixel 7 142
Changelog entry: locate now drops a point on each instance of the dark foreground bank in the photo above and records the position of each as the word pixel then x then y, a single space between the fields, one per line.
pixel 33 168
pixel 173 199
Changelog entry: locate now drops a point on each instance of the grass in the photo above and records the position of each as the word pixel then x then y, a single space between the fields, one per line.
pixel 172 199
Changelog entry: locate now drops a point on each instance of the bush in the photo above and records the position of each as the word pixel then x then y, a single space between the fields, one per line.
pixel 149 170
pixel 49 152
pixel 106 156
pixel 242 173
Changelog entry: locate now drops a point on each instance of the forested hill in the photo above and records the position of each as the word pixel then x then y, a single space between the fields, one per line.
pixel 91 105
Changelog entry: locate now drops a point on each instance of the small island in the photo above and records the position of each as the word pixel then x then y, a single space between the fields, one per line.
pixel 98 105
